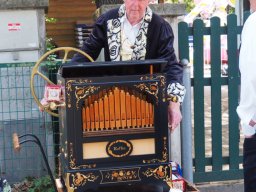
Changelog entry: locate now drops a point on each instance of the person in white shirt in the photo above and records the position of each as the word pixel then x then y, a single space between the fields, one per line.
pixel 247 106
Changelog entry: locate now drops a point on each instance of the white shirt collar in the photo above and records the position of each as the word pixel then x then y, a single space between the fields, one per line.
pixel 130 31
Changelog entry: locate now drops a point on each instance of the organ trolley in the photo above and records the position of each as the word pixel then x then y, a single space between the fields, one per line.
pixel 113 123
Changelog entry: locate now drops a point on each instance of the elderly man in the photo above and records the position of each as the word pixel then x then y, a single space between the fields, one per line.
pixel 247 106
pixel 134 32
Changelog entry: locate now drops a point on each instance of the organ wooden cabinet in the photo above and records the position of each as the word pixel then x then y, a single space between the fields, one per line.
pixel 114 127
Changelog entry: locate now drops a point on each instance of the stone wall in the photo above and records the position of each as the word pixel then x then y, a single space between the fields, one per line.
pixel 24 4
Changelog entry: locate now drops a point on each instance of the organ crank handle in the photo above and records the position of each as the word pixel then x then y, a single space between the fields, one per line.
pixel 35 71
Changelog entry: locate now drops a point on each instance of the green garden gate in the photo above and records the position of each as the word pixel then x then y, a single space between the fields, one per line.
pixel 224 162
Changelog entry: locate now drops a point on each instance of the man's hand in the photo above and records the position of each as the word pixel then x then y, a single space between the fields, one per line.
pixel 174 115
pixel 252 123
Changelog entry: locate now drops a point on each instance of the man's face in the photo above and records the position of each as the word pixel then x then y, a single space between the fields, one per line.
pixel 135 9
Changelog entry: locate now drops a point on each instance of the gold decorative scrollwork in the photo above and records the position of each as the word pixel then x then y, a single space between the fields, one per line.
pixel 153 88
pixel 72 160
pixel 162 80
pixel 163 86
pixel 69 88
pixel 67 183
pixel 82 92
pixel 164 154
pixel 163 172
pixel 79 179
pixel 120 175
pixel 159 77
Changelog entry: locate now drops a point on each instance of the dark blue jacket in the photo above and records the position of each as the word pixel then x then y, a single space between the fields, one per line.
pixel 159 44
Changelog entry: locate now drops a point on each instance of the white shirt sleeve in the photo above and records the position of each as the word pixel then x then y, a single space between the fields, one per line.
pixel 247 65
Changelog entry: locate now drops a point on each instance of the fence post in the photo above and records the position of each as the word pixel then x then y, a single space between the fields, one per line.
pixel 186 126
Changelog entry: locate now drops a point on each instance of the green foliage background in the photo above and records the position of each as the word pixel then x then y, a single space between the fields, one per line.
pixel 43 184
pixel 189 4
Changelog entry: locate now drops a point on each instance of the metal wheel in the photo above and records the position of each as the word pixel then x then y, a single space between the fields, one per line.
pixel 35 71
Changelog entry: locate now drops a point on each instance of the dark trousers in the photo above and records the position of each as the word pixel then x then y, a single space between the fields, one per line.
pixel 249 163
pixel 132 188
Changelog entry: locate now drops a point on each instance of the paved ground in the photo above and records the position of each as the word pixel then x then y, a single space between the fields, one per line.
pixel 228 186
pixel 207 107
pixel 225 136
